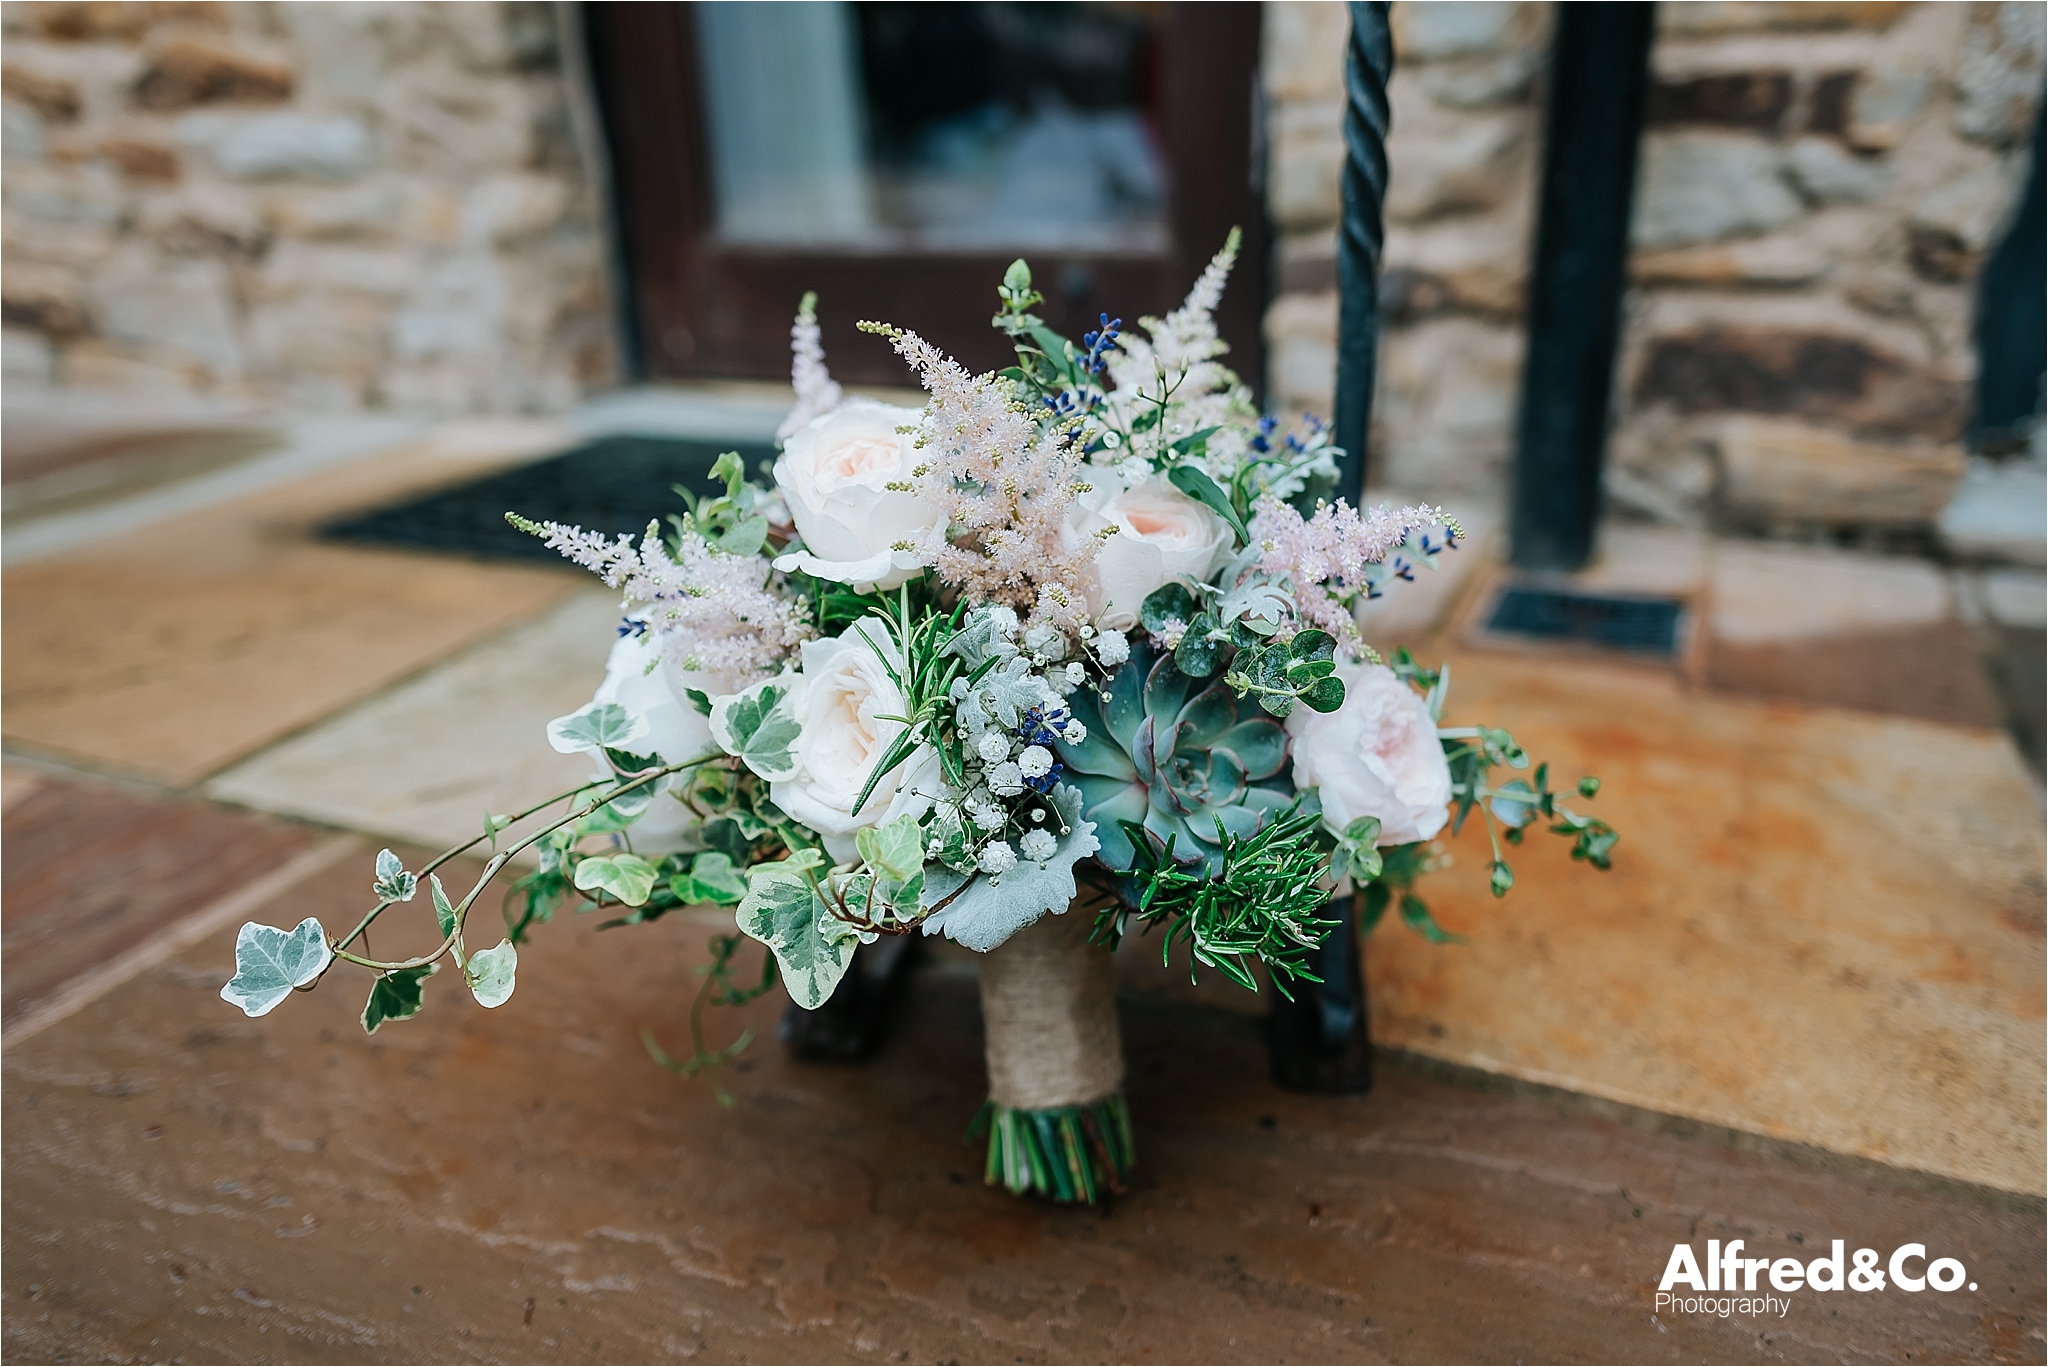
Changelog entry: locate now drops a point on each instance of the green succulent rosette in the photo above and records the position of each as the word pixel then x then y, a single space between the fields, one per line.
pixel 1176 755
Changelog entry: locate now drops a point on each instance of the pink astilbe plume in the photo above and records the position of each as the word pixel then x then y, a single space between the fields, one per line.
pixel 1004 489
pixel 817 393
pixel 1328 557
pixel 713 611
pixel 1179 355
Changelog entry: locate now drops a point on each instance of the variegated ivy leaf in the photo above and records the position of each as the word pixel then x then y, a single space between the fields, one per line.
pixel 711 878
pixel 895 850
pixel 444 910
pixel 491 973
pixel 758 726
pixel 393 883
pixel 627 877
pixel 595 727
pixel 784 912
pixel 395 996
pixel 270 962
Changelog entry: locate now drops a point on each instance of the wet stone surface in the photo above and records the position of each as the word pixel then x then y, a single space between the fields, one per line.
pixel 524 1185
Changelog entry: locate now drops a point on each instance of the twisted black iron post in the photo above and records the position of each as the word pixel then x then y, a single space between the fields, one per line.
pixel 1368 63
pixel 1321 1041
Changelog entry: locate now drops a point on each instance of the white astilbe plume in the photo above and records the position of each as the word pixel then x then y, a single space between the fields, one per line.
pixel 817 393
pixel 1004 490
pixel 713 611
pixel 1177 359
pixel 1326 557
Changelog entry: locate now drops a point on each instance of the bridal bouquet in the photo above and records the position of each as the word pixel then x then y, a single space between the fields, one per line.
pixel 1067 653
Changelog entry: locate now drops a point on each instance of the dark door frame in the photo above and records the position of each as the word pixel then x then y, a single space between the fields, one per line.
pixel 701 308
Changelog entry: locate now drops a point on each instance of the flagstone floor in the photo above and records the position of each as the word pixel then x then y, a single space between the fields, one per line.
pixel 1819 960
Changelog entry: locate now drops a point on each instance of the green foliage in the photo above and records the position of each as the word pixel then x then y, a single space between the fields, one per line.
pixel 393 883
pixel 1191 480
pixel 395 996
pixel 711 879
pixel 1263 900
pixel 1357 854
pixel 924 668
pixel 718 990
pixel 1066 1153
pixel 270 962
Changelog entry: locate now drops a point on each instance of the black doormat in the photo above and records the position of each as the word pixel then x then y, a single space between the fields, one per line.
pixel 611 485
pixel 1643 626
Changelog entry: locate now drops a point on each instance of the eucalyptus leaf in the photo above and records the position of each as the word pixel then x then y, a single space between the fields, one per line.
pixel 270 962
pixel 746 537
pixel 1169 602
pixel 491 973
pixel 395 996
pixel 1327 695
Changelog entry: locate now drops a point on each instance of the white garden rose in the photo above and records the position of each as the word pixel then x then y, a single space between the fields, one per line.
pixel 834 475
pixel 841 700
pixel 677 731
pixel 1162 535
pixel 1377 755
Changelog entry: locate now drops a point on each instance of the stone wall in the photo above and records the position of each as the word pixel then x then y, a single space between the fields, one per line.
pixel 331 205
pixel 1818 185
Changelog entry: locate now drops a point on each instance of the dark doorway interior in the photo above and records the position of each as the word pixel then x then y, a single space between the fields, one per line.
pixel 895 158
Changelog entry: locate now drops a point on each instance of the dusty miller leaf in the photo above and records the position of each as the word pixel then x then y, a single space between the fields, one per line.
pixel 270 962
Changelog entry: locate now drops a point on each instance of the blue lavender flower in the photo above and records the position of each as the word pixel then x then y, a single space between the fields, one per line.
pixel 1044 782
pixel 1263 441
pixel 1041 726
pixel 631 626
pixel 1100 344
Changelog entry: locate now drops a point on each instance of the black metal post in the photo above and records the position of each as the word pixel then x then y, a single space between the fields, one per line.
pixel 1368 63
pixel 1599 77
pixel 2012 323
pixel 1321 1040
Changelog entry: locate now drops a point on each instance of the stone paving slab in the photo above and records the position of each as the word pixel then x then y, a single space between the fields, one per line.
pixel 182 1184
pixel 89 871
pixel 1822 926
pixel 425 761
pixel 171 652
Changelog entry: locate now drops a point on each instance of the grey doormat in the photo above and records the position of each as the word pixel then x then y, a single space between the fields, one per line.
pixel 611 485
